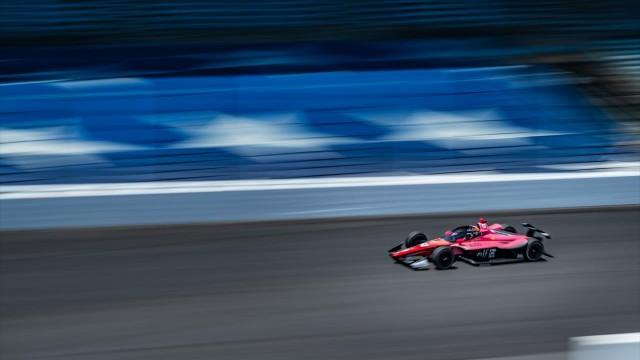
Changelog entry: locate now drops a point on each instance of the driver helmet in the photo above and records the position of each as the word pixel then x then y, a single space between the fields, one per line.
pixel 482 221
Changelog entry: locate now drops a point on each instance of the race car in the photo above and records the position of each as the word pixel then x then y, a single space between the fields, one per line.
pixel 476 244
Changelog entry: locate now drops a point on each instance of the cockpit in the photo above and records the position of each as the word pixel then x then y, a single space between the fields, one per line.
pixel 461 232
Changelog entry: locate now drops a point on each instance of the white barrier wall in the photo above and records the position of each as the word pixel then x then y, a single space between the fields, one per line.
pixel 174 203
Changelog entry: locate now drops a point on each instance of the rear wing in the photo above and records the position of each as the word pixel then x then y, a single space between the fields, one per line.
pixel 532 231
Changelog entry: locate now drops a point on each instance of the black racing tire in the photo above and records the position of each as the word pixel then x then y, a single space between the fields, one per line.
pixel 443 258
pixel 415 238
pixel 534 250
pixel 509 228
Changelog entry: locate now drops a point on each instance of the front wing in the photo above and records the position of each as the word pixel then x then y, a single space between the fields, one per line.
pixel 413 262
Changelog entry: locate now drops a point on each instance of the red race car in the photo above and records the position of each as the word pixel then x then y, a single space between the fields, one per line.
pixel 476 244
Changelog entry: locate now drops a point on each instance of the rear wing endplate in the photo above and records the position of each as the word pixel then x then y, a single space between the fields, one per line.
pixel 532 231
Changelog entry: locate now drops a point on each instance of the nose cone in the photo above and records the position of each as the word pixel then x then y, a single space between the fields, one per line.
pixel 414 250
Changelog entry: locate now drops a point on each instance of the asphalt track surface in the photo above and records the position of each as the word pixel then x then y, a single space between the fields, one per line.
pixel 320 289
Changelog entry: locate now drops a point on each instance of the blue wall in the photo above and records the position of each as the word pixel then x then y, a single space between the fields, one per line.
pixel 301 125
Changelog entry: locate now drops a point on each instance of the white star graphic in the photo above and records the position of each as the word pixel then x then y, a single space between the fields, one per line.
pixel 259 135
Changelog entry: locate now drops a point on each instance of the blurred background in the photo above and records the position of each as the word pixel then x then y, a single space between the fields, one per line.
pixel 162 162
pixel 96 92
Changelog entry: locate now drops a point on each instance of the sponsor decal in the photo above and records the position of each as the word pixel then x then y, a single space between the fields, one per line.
pixel 487 253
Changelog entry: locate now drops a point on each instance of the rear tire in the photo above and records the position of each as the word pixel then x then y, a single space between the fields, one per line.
pixel 443 257
pixel 415 238
pixel 534 250
pixel 509 228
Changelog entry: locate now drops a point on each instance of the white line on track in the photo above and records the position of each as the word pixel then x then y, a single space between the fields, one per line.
pixel 608 339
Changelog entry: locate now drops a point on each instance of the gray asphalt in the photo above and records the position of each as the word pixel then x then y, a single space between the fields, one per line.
pixel 321 289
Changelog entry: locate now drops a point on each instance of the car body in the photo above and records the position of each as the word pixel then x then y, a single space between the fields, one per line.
pixel 495 244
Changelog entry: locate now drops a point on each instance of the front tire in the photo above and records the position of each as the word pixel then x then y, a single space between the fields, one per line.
pixel 443 257
pixel 534 250
pixel 415 238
